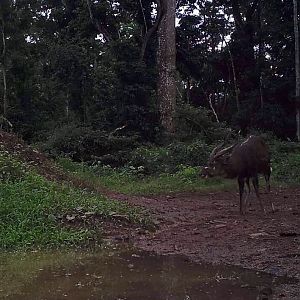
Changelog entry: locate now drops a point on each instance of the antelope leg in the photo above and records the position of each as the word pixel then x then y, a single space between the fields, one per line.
pixel 255 185
pixel 241 182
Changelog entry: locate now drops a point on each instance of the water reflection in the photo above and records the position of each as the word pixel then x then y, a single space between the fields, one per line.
pixel 122 274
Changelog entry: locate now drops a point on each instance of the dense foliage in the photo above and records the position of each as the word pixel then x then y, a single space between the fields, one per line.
pixel 73 75
pixel 164 170
pixel 83 79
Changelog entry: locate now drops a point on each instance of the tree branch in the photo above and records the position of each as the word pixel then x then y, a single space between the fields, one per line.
pixel 3 39
pixel 213 109
pixel 101 28
pixel 153 29
pixel 116 130
pixel 237 14
pixel 144 18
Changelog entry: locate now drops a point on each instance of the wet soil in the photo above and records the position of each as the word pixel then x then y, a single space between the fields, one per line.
pixel 207 227
pixel 204 227
pixel 129 274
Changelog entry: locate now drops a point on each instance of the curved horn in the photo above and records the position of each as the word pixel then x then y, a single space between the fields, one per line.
pixel 224 151
pixel 215 150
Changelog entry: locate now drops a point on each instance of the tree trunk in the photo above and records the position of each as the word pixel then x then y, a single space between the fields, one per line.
pixel 243 53
pixel 297 69
pixel 5 104
pixel 67 108
pixel 166 62
pixel 153 29
pixel 261 55
pixel 236 88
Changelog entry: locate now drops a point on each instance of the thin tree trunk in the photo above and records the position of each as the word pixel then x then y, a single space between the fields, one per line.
pixel 84 97
pixel 243 50
pixel 166 59
pixel 188 91
pixel 213 109
pixel 101 28
pixel 153 29
pixel 67 108
pixel 260 56
pixel 297 68
pixel 5 104
pixel 236 89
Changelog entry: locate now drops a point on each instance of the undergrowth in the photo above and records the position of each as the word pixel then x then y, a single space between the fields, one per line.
pixel 286 162
pixel 175 168
pixel 132 180
pixel 32 210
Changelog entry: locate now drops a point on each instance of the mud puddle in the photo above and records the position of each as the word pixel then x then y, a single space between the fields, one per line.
pixel 124 274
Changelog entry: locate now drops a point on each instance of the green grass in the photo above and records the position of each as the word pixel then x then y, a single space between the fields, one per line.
pixel 129 181
pixel 31 210
pixel 286 169
pixel 162 184
pixel 132 181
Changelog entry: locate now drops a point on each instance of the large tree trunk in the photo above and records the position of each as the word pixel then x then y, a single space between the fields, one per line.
pixel 297 68
pixel 166 61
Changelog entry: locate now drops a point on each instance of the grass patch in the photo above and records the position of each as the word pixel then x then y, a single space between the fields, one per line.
pixel 31 210
pixel 285 163
pixel 133 179
pixel 162 184
pixel 132 182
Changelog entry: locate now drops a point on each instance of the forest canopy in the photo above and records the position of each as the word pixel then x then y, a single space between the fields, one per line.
pixel 69 67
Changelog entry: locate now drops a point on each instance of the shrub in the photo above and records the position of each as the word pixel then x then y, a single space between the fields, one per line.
pixel 188 173
pixel 86 144
pixel 286 161
pixel 155 160
pixel 198 123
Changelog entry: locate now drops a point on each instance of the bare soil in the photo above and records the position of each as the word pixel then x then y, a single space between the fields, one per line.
pixel 204 227
pixel 208 227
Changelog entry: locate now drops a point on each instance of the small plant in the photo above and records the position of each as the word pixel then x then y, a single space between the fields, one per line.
pixel 169 159
pixel 188 173
pixel 286 162
pixel 133 181
pixel 10 168
pixel 35 212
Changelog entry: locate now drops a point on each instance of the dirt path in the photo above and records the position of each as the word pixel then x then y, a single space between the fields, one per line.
pixel 203 226
pixel 208 227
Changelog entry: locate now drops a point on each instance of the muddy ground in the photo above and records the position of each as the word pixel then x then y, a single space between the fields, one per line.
pixel 204 227
pixel 208 227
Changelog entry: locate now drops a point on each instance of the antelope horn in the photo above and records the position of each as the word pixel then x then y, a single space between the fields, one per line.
pixel 224 151
pixel 215 150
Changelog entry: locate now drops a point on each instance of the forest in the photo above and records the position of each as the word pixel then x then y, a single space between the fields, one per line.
pixel 122 125
pixel 98 66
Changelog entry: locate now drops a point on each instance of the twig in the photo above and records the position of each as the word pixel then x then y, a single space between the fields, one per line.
pixel 116 130
pixel 213 109
pixel 142 9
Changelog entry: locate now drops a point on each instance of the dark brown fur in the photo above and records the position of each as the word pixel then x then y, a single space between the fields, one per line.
pixel 243 161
